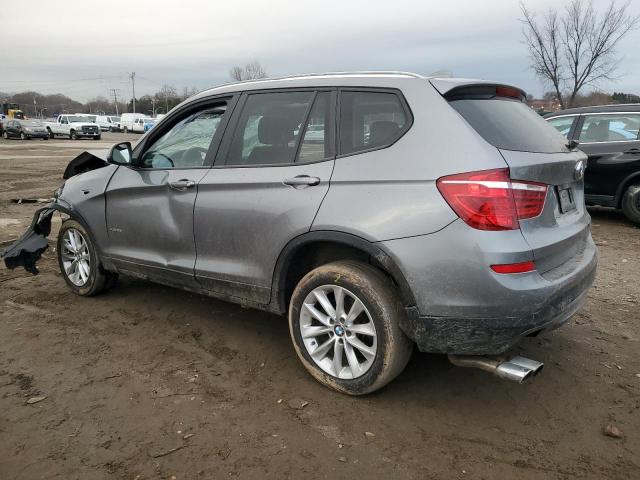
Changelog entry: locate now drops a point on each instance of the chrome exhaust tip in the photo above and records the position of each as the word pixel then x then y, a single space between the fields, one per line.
pixel 518 369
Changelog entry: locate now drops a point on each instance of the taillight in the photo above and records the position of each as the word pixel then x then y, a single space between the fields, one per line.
pixel 490 200
pixel 521 267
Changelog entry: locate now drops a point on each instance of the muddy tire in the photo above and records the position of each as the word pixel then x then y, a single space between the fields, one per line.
pixel 79 262
pixel 367 350
pixel 631 203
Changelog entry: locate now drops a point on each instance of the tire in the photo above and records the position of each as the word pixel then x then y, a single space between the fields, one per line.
pixel 45 138
pixel 51 135
pixel 631 203
pixel 5 135
pixel 22 136
pixel 382 352
pixel 98 137
pixel 73 135
pixel 77 279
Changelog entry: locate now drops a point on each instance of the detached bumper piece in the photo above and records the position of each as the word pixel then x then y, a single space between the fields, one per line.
pixel 28 249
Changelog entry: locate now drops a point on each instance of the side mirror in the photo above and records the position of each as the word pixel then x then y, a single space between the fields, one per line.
pixel 120 154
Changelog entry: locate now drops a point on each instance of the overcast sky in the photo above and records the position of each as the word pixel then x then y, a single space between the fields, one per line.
pixel 84 48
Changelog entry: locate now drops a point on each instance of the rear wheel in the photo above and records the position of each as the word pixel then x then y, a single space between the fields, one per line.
pixel 126 130
pixel 344 323
pixel 631 203
pixel 79 262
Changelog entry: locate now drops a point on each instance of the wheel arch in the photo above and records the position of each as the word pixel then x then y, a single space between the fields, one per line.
pixel 312 249
pixel 624 184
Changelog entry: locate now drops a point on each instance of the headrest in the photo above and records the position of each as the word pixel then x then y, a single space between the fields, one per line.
pixel 382 131
pixel 276 127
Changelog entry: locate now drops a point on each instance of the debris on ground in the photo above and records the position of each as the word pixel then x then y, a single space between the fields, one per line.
pixel 36 399
pixel 612 431
pixel 297 403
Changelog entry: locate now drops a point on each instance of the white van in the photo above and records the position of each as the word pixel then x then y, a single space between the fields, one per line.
pixel 127 121
pixel 108 122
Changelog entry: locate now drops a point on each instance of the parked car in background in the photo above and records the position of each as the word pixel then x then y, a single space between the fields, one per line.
pixel 148 124
pixel 109 123
pixel 2 121
pixel 138 125
pixel 609 135
pixel 25 129
pixel 73 126
pixel 127 121
pixel 457 223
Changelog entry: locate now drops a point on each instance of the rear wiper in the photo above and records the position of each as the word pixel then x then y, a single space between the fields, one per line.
pixel 572 144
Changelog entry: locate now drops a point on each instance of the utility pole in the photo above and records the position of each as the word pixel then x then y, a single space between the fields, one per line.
pixel 115 98
pixel 153 107
pixel 133 85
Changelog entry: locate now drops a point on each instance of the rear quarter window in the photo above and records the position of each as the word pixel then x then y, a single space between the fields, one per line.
pixel 370 120
pixel 510 124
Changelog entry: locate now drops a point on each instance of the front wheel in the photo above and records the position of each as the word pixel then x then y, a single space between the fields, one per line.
pixel 50 133
pixel 73 135
pixel 79 262
pixel 22 136
pixel 344 323
pixel 631 203
pixel 5 135
pixel 97 137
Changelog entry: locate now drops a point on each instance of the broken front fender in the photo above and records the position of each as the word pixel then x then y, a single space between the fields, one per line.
pixel 28 249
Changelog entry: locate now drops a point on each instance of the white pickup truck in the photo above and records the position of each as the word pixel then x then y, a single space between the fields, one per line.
pixel 73 127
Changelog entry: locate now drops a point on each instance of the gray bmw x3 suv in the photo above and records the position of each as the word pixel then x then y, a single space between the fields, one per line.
pixel 377 210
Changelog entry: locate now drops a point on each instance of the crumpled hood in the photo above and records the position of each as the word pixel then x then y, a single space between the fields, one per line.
pixel 87 160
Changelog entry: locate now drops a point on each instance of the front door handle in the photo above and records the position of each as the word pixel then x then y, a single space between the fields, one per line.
pixel 302 181
pixel 632 151
pixel 182 184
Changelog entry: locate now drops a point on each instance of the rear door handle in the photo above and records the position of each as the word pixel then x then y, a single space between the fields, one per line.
pixel 182 184
pixel 302 181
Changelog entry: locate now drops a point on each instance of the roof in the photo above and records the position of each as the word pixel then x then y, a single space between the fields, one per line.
pixel 364 78
pixel 617 107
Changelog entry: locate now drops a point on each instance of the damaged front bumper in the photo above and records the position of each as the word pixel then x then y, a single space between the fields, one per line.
pixel 28 249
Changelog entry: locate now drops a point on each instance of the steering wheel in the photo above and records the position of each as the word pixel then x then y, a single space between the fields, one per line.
pixel 194 156
pixel 163 156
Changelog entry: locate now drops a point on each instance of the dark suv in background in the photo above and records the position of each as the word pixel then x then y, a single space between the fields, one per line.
pixel 608 134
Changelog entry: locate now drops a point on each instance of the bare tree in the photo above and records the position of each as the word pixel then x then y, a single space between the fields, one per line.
pixel 250 71
pixel 578 47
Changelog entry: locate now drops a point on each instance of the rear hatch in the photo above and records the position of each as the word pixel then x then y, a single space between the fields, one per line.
pixel 534 152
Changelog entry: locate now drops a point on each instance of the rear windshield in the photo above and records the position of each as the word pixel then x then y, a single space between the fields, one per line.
pixel 510 125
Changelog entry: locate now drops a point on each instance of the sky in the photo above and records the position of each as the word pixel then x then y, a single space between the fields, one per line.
pixel 85 48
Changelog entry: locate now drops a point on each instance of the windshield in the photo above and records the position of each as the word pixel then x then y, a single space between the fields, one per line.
pixel 114 119
pixel 75 118
pixel 510 125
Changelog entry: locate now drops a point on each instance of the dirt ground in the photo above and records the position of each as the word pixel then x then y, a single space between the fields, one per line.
pixel 149 382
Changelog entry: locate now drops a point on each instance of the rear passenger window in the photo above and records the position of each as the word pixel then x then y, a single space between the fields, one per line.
pixel 610 128
pixel 562 124
pixel 315 143
pixel 370 120
pixel 268 128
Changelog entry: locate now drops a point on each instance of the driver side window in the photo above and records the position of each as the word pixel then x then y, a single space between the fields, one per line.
pixel 186 144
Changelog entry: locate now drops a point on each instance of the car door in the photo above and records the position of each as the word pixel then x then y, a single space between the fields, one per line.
pixel 268 182
pixel 10 128
pixel 149 213
pixel 611 142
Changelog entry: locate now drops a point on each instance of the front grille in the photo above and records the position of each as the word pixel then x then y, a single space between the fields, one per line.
pixel 90 129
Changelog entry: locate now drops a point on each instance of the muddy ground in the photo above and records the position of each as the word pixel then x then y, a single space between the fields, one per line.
pixel 149 382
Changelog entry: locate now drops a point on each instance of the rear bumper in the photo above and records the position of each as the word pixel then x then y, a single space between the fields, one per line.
pixel 463 308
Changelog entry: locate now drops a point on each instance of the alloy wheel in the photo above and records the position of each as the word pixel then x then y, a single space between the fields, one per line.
pixel 338 332
pixel 76 258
